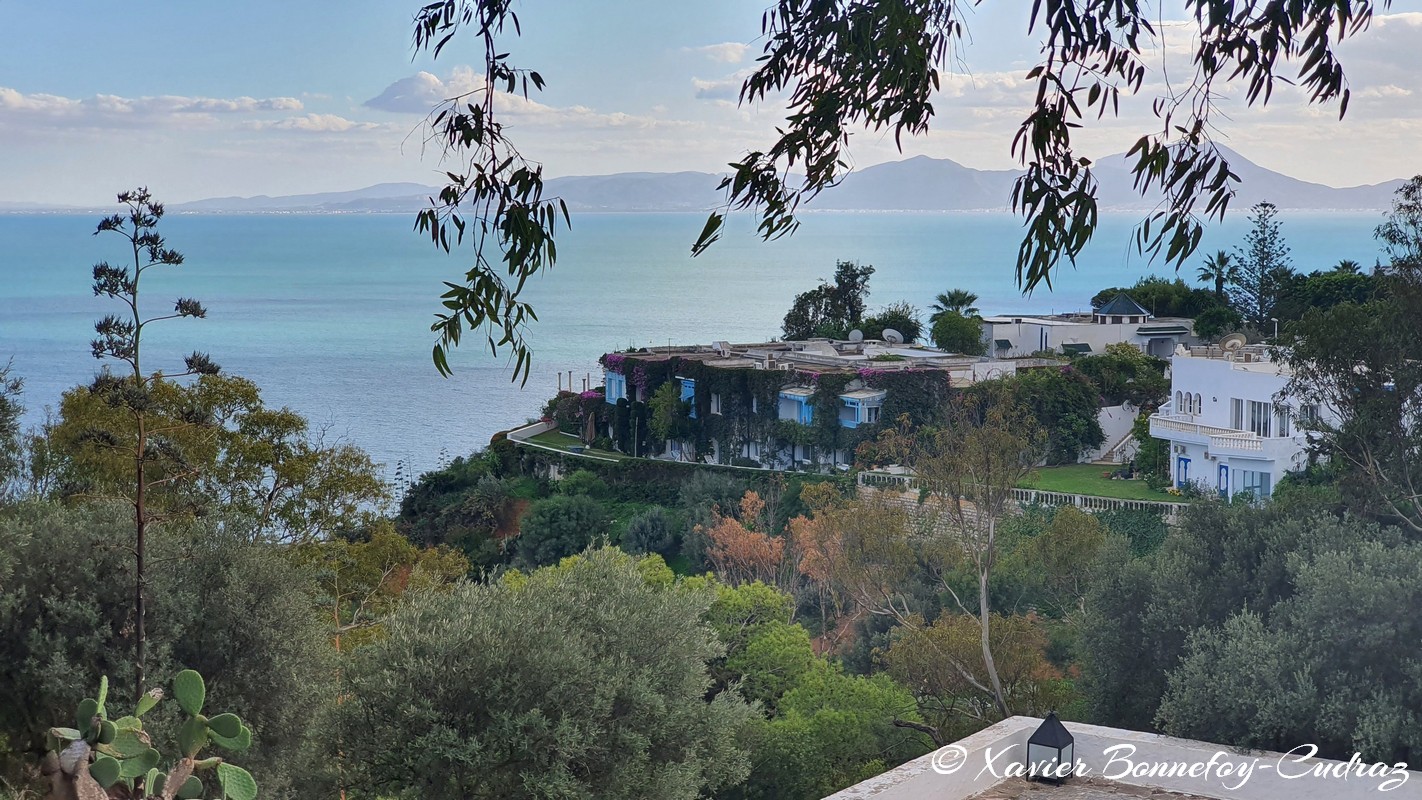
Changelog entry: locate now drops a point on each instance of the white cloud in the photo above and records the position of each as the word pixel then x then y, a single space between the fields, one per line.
pixel 417 94
pixel 318 123
pixel 725 52
pixel 107 110
pixel 727 88
pixel 422 92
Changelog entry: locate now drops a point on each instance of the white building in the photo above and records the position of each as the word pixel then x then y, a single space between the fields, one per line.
pixel 1230 427
pixel 1121 320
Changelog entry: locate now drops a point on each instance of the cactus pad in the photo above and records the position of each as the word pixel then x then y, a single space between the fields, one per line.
pixel 190 691
pixel 84 717
pixel 192 737
pixel 191 788
pixel 105 770
pixel 237 783
pixel 228 726
pixel 140 764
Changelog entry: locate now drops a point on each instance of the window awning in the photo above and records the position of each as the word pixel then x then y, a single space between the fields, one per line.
pixel 1076 348
pixel 797 392
pixel 1003 344
pixel 1162 330
pixel 865 395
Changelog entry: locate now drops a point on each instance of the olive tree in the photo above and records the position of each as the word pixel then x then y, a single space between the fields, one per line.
pixel 581 680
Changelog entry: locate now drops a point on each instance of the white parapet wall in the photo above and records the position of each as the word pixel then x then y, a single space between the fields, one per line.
pixel 1151 761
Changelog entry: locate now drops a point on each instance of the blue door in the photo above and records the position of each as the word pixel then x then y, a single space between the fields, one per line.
pixel 1182 472
pixel 1224 481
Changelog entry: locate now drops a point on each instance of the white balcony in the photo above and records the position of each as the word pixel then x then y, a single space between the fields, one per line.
pixel 1182 427
pixel 1225 442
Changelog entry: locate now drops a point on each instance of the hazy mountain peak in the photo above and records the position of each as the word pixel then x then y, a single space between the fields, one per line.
pixel 919 183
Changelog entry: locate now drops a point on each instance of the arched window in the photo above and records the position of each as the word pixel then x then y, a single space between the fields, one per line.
pixel 1179 406
pixel 1199 405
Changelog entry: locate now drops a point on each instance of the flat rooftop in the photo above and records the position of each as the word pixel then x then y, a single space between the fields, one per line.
pixel 1078 789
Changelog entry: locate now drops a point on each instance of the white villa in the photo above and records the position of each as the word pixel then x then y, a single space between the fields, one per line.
pixel 1121 320
pixel 1230 427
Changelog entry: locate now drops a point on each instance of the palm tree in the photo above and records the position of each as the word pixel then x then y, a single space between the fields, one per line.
pixel 959 301
pixel 1219 269
pixel 1349 266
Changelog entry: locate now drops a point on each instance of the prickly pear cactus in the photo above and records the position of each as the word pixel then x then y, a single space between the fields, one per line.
pixel 104 759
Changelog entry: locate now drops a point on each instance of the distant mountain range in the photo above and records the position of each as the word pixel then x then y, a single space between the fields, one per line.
pixel 915 184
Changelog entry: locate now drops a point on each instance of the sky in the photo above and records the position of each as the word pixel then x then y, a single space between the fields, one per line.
pixel 202 99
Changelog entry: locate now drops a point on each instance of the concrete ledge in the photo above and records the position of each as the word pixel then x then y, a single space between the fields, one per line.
pixel 1145 760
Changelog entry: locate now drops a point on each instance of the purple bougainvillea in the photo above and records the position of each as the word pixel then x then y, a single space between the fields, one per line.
pixel 639 378
pixel 614 362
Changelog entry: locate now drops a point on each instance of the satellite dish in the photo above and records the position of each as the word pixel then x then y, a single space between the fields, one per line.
pixel 892 336
pixel 856 335
pixel 1233 342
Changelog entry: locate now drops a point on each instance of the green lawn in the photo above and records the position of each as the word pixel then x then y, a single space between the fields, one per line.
pixel 563 441
pixel 1086 479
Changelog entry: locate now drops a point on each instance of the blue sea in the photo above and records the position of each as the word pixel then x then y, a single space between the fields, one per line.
pixel 330 314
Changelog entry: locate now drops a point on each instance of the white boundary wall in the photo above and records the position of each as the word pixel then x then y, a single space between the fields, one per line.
pixel 1107 752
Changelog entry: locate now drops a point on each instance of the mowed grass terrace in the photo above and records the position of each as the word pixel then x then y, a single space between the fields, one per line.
pixel 1087 479
pixel 566 442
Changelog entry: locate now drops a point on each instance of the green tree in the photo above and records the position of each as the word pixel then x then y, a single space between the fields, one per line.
pixel 1161 297
pixel 831 730
pixel 1122 373
pixel 1362 363
pixel 1212 323
pixel 652 531
pixel 1401 229
pixel 240 613
pixel 221 448
pixel 1335 665
pixel 670 414
pixel 949 699
pixel 969 469
pixel 1057 565
pixel 839 78
pixel 901 317
pixel 1264 267
pixel 1220 271
pixel 1300 293
pixel 584 680
pixel 831 309
pixel 462 506
pixel 11 442
pixel 358 583
pixel 1220 560
pixel 558 527
pixel 1064 403
pixel 958 301
pixel 956 333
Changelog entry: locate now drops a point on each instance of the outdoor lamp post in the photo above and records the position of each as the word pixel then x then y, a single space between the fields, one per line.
pixel 1050 755
pixel 1275 320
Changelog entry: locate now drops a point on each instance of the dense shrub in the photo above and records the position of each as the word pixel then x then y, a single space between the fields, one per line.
pixel 652 531
pixel 557 528
pixel 583 680
pixel 240 613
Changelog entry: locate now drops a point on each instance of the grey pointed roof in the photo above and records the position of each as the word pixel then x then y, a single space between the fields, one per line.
pixel 1052 733
pixel 1123 305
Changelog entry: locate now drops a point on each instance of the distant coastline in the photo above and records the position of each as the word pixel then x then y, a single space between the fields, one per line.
pixel 915 185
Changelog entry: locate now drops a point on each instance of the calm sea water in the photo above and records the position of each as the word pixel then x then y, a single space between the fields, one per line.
pixel 330 314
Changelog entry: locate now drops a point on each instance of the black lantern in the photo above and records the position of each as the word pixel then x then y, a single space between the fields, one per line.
pixel 1049 751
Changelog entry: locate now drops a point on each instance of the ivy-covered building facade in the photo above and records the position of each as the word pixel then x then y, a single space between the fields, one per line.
pixel 775 405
